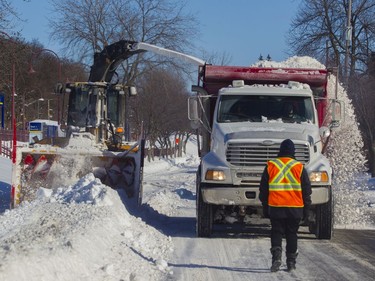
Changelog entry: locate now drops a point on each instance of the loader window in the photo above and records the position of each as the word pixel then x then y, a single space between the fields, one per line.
pixel 92 118
pixel 112 108
pixel 116 108
pixel 265 108
pixel 77 111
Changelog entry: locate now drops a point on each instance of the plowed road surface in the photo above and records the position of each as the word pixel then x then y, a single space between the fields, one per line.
pixel 349 255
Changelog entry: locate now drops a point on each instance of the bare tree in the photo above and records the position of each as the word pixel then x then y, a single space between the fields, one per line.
pixel 86 26
pixel 161 105
pixel 7 15
pixel 319 30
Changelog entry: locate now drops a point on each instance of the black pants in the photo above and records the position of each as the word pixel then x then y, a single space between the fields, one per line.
pixel 289 227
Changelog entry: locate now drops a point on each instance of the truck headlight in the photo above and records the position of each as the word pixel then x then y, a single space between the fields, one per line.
pixel 215 175
pixel 319 176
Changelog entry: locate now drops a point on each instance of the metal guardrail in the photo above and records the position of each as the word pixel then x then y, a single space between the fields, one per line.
pixel 6 138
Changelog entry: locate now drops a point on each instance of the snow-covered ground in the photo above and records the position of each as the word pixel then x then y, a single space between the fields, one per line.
pixel 88 231
pixel 82 232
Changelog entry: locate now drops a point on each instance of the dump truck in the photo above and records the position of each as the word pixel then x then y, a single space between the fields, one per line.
pixel 94 135
pixel 242 114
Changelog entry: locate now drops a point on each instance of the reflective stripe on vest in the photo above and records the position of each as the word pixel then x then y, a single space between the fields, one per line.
pixel 285 183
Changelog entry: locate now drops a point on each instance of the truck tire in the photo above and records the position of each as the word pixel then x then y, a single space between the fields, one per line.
pixel 324 219
pixel 204 217
pixel 204 213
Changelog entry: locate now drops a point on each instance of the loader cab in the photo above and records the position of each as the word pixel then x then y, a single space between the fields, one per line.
pixel 83 104
pixel 98 108
pixel 90 104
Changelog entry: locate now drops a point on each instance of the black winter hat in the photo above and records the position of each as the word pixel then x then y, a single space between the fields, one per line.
pixel 287 148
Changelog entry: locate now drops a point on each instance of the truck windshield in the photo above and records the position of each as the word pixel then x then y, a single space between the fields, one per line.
pixel 240 108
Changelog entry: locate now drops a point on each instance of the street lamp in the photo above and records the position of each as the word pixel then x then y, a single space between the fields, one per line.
pixel 30 103
pixel 31 70
pixel 38 100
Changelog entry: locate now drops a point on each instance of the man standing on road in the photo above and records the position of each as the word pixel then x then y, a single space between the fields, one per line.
pixel 285 193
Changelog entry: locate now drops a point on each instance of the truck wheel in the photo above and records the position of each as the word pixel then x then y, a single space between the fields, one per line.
pixel 324 219
pixel 204 217
pixel 204 213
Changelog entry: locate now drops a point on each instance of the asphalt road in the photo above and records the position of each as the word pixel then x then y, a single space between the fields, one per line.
pixel 360 243
pixel 350 255
pixel 245 255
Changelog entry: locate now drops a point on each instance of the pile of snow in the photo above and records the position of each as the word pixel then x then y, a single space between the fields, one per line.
pixel 81 232
pixel 292 62
pixel 87 190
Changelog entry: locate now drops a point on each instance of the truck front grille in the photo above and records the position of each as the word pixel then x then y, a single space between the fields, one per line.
pixel 253 154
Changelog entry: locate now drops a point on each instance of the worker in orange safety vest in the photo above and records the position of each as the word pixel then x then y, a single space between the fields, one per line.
pixel 285 193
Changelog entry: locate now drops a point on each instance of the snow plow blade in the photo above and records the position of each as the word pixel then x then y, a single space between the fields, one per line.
pixel 55 167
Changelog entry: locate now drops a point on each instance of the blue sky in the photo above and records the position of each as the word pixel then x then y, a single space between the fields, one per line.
pixel 243 29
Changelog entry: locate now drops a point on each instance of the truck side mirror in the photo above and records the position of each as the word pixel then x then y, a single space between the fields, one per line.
pixel 324 132
pixel 336 113
pixel 193 115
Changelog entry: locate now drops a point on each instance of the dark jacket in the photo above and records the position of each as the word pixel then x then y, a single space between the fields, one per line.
pixel 286 212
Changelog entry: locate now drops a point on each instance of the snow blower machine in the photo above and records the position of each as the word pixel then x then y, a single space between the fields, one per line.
pixel 94 137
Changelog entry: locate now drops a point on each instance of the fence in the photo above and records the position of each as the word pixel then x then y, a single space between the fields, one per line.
pixel 6 138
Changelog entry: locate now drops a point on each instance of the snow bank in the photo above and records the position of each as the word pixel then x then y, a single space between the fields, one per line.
pixel 81 232
pixel 88 190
